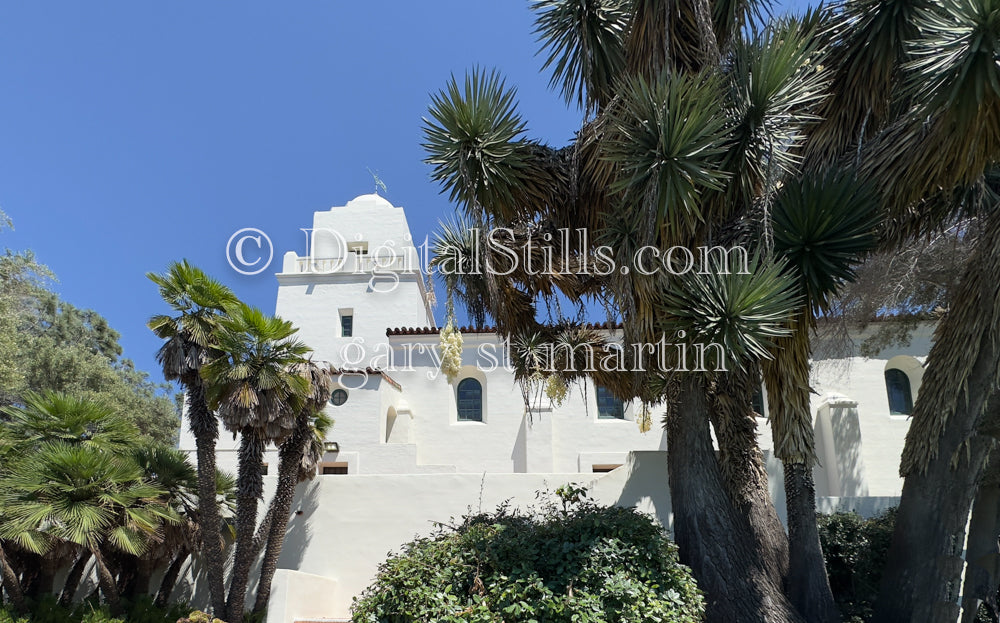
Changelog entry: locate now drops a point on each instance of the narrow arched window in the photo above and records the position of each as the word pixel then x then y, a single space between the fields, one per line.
pixel 897 385
pixel 609 407
pixel 470 401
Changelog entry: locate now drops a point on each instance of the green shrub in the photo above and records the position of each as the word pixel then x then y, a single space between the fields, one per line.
pixel 855 550
pixel 48 610
pixel 580 562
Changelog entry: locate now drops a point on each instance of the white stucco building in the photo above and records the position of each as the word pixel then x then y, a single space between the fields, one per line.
pixel 408 447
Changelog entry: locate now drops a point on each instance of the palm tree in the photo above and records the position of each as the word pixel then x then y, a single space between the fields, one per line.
pixel 258 395
pixel 82 495
pixel 169 469
pixel 300 451
pixel 197 302
pixel 55 416
pixel 59 417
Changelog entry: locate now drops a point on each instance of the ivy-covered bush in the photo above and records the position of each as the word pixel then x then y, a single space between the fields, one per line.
pixel 855 549
pixel 577 562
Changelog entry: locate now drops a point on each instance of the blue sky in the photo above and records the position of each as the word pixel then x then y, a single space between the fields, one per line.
pixel 133 134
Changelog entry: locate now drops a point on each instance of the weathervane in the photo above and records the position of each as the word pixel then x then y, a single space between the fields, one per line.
pixel 378 181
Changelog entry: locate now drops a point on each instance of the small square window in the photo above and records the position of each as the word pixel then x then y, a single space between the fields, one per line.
pixel 346 326
pixel 328 469
pixel 263 469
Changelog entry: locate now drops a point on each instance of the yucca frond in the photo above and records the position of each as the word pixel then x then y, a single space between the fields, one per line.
pixel 743 313
pixel 585 43
pixel 475 143
pixel 669 139
pixel 823 226
pixel 775 86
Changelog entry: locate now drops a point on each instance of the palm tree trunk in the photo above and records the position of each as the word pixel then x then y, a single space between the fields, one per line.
pixel 264 529
pixel 107 583
pixel 290 456
pixel 945 456
pixel 205 428
pixel 982 576
pixel 74 577
pixel 714 536
pixel 10 582
pixel 249 490
pixel 170 579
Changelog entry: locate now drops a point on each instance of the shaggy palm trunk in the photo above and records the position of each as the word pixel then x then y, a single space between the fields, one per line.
pixel 786 377
pixel 249 490
pixel 982 575
pixel 10 582
pixel 714 536
pixel 205 428
pixel 73 578
pixel 106 581
pixel 290 457
pixel 170 579
pixel 945 456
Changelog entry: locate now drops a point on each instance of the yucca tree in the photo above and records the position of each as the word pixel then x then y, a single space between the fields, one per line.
pixel 253 385
pixel 823 226
pixel 691 125
pixel 295 455
pixel 83 495
pixel 196 301
pixel 916 103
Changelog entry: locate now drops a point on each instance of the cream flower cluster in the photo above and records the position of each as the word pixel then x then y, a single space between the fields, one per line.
pixel 451 351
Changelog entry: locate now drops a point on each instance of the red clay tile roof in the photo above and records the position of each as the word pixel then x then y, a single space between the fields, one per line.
pixel 435 330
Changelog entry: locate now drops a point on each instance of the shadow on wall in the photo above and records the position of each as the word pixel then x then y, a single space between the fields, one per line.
pixel 299 532
pixel 641 483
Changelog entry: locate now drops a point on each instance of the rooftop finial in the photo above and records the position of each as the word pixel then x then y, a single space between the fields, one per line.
pixel 378 181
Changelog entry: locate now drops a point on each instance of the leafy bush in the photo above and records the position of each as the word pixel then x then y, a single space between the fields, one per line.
pixel 855 550
pixel 48 610
pixel 579 562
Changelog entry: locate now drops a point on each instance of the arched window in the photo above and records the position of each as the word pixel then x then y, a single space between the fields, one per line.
pixel 897 385
pixel 609 407
pixel 470 401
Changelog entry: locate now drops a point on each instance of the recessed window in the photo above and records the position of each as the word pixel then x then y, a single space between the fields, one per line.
pixel 897 386
pixel 470 401
pixel 263 469
pixel 328 469
pixel 609 407
pixel 605 468
pixel 338 397
pixel 346 326
pixel 757 403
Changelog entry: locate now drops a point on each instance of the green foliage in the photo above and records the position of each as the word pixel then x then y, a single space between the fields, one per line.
pixel 48 610
pixel 574 561
pixel 49 345
pixel 585 42
pixel 855 550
